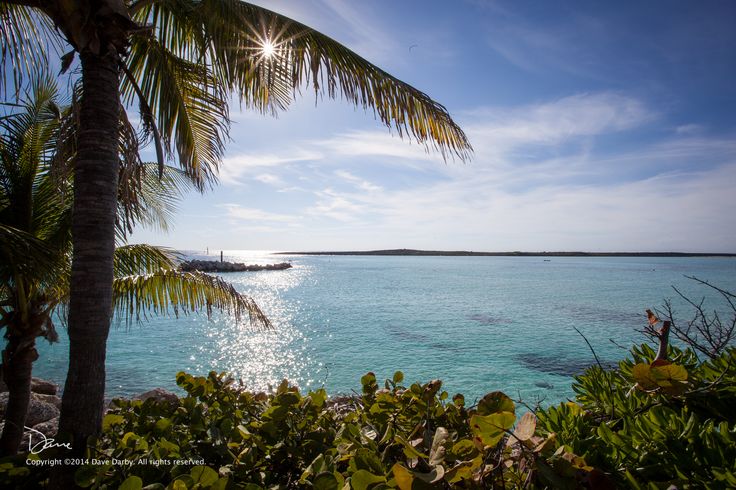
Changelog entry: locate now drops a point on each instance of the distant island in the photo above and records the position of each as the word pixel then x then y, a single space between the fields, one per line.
pixel 464 253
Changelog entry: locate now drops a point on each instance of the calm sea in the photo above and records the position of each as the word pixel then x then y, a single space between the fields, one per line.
pixel 478 323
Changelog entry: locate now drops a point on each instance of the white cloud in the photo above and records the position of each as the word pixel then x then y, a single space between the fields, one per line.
pixel 357 181
pixel 239 213
pixel 582 115
pixel 376 144
pixel 269 179
pixel 235 168
pixel 337 206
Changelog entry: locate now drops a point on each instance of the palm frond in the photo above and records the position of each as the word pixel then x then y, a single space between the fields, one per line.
pixel 136 296
pixel 130 260
pixel 190 108
pixel 23 254
pixel 148 199
pixel 228 36
pixel 24 34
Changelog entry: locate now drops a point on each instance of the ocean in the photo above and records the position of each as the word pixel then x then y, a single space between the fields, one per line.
pixel 479 324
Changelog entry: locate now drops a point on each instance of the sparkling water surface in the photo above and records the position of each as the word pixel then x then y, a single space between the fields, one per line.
pixel 478 323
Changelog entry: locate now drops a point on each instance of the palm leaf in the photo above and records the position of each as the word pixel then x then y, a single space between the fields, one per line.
pixel 166 290
pixel 24 255
pixel 225 39
pixel 130 260
pixel 24 35
pixel 190 108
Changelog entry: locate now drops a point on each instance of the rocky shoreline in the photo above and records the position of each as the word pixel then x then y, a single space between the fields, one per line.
pixel 217 266
pixel 43 409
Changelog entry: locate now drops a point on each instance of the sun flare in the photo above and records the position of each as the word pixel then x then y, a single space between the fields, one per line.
pixel 268 49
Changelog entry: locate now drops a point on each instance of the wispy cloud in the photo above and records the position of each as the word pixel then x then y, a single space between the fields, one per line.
pixel 337 206
pixel 375 144
pixel 239 213
pixel 549 123
pixel 357 181
pixel 236 167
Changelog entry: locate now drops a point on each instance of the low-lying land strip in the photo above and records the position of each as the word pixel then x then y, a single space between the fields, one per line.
pixel 408 251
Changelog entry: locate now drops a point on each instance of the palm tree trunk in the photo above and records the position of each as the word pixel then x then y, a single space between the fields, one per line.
pixel 18 360
pixel 93 237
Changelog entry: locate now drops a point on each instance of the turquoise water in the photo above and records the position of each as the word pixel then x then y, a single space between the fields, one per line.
pixel 478 323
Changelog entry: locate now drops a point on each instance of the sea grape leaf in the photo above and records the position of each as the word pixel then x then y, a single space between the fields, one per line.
pixel 437 453
pixel 409 451
pixel 367 460
pixel 490 429
pixel 362 479
pixel 495 402
pixel 204 475
pixel 131 483
pixel 643 375
pixel 402 476
pixel 110 420
pixel 669 374
pixel 526 426
pixel 325 481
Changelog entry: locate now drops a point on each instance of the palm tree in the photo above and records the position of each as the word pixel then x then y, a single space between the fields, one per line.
pixel 35 225
pixel 180 60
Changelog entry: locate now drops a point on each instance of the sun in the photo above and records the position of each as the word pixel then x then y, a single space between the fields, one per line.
pixel 268 49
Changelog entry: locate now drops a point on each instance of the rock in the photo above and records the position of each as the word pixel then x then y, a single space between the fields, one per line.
pixel 216 266
pixel 3 386
pixel 48 428
pixel 39 385
pixel 40 411
pixel 52 399
pixel 160 395
pixel 40 408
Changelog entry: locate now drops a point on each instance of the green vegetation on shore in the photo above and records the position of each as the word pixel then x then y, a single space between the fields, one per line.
pixel 644 424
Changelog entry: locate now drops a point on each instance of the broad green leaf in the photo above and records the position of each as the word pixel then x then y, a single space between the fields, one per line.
pixel 668 375
pixel 362 479
pixel 643 376
pixel 495 402
pixel 204 475
pixel 111 419
pixel 490 429
pixel 163 424
pixel 325 481
pixel 367 460
pixel 402 476
pixel 409 450
pixel 131 483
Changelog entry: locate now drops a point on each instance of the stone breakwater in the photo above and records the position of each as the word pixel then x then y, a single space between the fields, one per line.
pixel 216 266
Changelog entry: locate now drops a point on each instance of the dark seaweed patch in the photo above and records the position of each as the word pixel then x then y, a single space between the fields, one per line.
pixel 484 319
pixel 590 314
pixel 560 366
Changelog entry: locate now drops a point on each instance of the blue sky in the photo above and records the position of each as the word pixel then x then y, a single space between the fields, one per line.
pixel 597 126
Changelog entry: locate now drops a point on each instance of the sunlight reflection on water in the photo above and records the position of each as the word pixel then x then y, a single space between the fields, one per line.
pixel 261 358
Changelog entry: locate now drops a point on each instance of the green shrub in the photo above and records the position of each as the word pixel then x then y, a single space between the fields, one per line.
pixel 642 425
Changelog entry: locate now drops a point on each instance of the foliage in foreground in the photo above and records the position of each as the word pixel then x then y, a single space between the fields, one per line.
pixel 643 425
